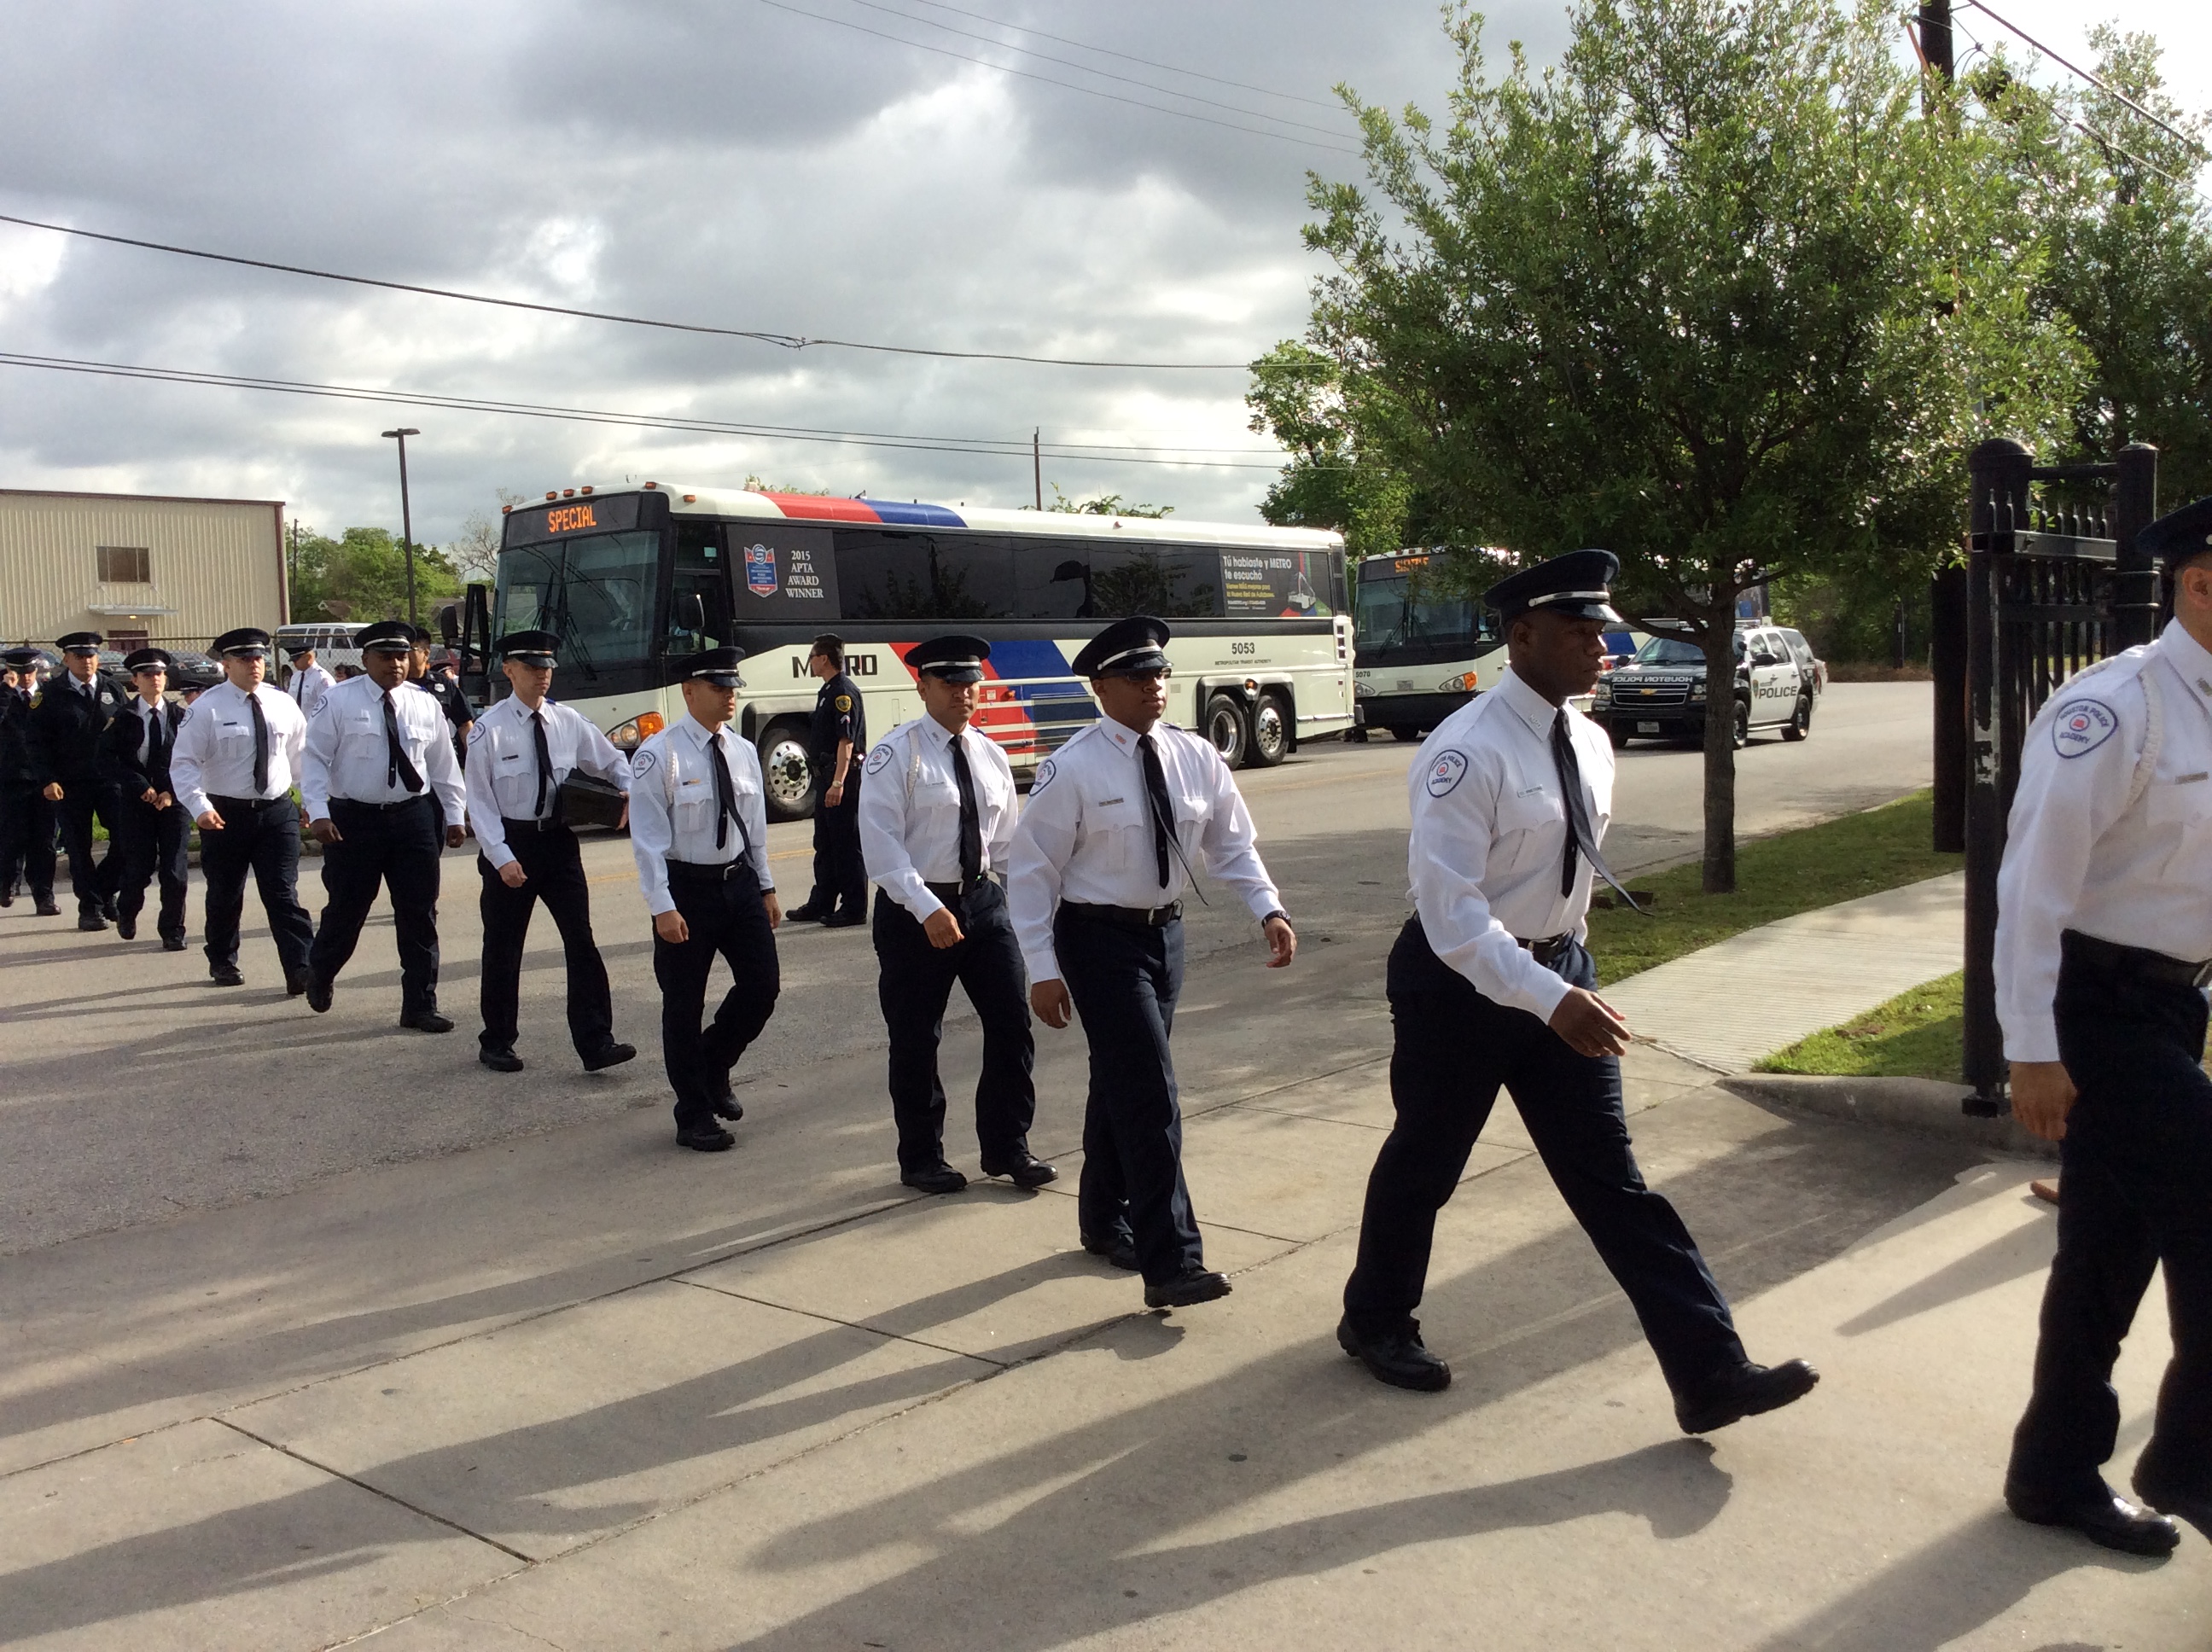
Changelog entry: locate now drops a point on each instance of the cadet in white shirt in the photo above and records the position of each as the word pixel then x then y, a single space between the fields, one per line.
pixel 1117 823
pixel 698 829
pixel 519 752
pixel 237 756
pixel 936 819
pixel 309 681
pixel 378 773
pixel 2103 947
pixel 1490 985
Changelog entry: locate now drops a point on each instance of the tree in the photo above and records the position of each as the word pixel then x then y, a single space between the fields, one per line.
pixel 1714 294
pixel 1104 505
pixel 362 575
pixel 475 553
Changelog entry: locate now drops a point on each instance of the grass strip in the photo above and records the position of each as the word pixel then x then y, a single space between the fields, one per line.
pixel 1776 877
pixel 1917 1034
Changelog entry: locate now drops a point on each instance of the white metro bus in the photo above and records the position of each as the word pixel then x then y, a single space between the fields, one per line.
pixel 1426 648
pixel 633 579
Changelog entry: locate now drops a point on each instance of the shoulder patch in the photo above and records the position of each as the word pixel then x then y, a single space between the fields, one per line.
pixel 880 759
pixel 644 763
pixel 1446 773
pixel 2080 726
pixel 476 730
pixel 844 702
pixel 1045 772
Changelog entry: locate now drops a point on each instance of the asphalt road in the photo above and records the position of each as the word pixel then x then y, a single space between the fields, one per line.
pixel 134 1089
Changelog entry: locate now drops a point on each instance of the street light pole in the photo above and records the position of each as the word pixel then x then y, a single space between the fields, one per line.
pixel 406 519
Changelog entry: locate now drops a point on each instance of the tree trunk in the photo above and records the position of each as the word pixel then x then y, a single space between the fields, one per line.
pixel 1720 751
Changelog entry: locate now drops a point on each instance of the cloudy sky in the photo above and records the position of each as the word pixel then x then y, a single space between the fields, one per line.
pixel 828 168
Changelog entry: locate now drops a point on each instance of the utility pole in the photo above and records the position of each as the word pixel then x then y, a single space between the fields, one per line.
pixel 292 574
pixel 1036 462
pixel 1936 36
pixel 406 520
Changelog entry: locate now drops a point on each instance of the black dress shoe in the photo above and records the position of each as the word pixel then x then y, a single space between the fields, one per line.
pixel 173 943
pixel 502 1061
pixel 1120 1249
pixel 109 910
pixel 844 919
pixel 806 913
pixel 320 994
pixel 428 1021
pixel 2103 1518
pixel 296 981
pixel 609 1054
pixel 225 974
pixel 935 1179
pixel 2162 1494
pixel 728 1106
pixel 127 928
pixel 707 1138
pixel 90 920
pixel 1396 1357
pixel 1747 1390
pixel 47 909
pixel 1023 1169
pixel 1194 1285
pixel 8 896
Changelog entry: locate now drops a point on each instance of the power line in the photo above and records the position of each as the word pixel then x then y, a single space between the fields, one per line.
pixel 2111 92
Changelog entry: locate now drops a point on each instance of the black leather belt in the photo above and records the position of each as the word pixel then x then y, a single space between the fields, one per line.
pixel 949 893
pixel 1548 951
pixel 693 872
pixel 382 808
pixel 2136 962
pixel 1125 917
pixel 243 806
pixel 511 827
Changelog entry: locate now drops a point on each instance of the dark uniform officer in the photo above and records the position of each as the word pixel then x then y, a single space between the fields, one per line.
pixel 66 721
pixel 840 735
pixel 1490 985
pixel 429 676
pixel 937 820
pixel 27 817
pixel 698 829
pixel 134 757
pixel 521 750
pixel 1116 821
pixel 378 778
pixel 237 755
pixel 2104 946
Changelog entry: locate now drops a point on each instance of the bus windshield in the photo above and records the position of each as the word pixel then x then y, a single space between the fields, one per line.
pixel 595 592
pixel 1392 612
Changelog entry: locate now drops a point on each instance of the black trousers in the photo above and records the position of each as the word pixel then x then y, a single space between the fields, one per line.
pixel 26 838
pixel 1452 1049
pixel 92 882
pixel 840 877
pixel 153 844
pixel 1125 983
pixel 2135 1194
pixel 728 920
pixel 262 839
pixel 914 984
pixel 399 849
pixel 552 871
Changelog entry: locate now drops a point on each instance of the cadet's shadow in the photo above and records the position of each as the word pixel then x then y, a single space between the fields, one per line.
pixel 2011 1255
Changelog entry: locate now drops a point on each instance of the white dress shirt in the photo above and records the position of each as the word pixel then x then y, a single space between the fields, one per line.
pixel 148 711
pixel 2078 856
pixel 348 756
pixel 1490 834
pixel 910 810
pixel 501 778
pixel 672 810
pixel 308 686
pixel 214 753
pixel 1086 832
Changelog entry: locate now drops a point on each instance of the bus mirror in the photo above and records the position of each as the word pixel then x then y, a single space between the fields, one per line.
pixel 691 612
pixel 449 624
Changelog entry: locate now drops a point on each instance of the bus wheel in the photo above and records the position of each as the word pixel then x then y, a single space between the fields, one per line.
pixel 1225 727
pixel 786 771
pixel 1271 732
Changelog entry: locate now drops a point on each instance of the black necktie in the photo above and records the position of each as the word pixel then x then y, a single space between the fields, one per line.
pixel 1579 835
pixel 725 798
pixel 971 819
pixel 260 744
pixel 155 731
pixel 545 762
pixel 1156 790
pixel 397 771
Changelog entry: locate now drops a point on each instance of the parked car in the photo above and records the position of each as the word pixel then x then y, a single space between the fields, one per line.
pixel 1661 695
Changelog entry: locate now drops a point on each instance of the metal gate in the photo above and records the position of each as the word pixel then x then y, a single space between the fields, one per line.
pixel 2053 582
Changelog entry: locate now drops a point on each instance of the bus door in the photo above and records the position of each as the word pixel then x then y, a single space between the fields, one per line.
pixel 699 591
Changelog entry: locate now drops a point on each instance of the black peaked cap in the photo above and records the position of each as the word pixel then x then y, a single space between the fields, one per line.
pixel 1128 648
pixel 1578 585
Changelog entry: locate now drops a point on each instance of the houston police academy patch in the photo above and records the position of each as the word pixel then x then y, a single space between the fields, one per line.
pixel 2081 725
pixel 1044 774
pixel 643 764
pixel 880 759
pixel 1446 773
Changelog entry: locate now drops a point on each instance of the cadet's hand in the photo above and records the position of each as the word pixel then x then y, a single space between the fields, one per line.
pixel 671 927
pixel 774 908
pixel 210 821
pixel 1589 1024
pixel 943 928
pixel 1050 1000
pixel 149 795
pixel 326 831
pixel 1282 942
pixel 836 794
pixel 2043 1094
pixel 623 822
pixel 456 835
pixel 52 794
pixel 511 874
pixel 164 801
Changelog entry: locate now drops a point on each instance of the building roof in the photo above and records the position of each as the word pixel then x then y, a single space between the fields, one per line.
pixel 140 499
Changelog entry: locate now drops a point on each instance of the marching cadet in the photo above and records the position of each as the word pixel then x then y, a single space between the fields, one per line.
pixel 1114 821
pixel 378 777
pixel 134 753
pixel 937 818
pixel 2103 947
pixel 309 681
pixel 840 734
pixel 520 750
pixel 431 677
pixel 698 827
pixel 27 817
pixel 66 720
pixel 233 767
pixel 1490 985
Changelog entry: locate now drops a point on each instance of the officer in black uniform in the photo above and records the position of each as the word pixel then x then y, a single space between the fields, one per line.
pixel 432 677
pixel 134 757
pixel 67 720
pixel 26 818
pixel 840 896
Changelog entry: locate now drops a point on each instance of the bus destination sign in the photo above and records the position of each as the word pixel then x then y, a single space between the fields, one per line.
pixel 616 514
pixel 568 518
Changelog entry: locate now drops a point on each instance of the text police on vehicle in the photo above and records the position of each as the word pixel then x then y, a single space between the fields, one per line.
pixel 1661 693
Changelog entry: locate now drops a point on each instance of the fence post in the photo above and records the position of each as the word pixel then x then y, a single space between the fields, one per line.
pixel 2135 579
pixel 1946 664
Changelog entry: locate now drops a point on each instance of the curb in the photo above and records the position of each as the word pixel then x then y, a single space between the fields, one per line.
pixel 1924 1107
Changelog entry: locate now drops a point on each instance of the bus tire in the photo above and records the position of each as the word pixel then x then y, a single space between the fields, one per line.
pixel 1271 731
pixel 1226 728
pixel 786 769
pixel 1405 731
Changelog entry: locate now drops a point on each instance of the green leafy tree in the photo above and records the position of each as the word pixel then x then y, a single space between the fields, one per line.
pixel 362 575
pixel 1104 505
pixel 1714 294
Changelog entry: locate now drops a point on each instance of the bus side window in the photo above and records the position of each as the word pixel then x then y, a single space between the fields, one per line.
pixel 698 602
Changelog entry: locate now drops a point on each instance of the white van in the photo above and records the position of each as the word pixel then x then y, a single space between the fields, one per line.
pixel 331 640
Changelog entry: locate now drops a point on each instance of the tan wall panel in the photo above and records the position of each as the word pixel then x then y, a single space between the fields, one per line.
pixel 218 563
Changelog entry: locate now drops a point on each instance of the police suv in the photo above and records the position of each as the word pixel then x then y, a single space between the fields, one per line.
pixel 1662 695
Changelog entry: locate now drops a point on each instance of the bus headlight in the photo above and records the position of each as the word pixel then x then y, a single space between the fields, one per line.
pixel 1463 683
pixel 626 737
